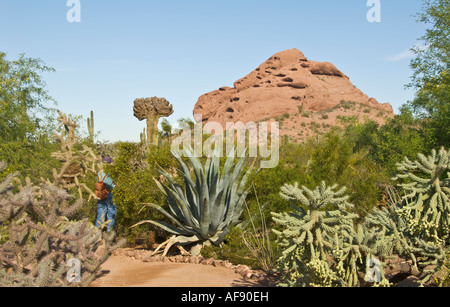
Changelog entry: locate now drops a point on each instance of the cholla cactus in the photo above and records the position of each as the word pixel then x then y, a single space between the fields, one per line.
pixel 314 227
pixel 41 245
pixel 391 231
pixel 426 206
pixel 353 248
pixel 75 164
pixel 310 235
pixel 320 274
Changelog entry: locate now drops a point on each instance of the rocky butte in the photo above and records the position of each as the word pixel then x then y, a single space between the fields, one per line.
pixel 306 97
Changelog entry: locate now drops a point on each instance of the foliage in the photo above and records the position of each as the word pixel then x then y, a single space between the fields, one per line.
pixel 330 158
pixel 31 159
pixel 166 129
pixel 133 171
pixel 23 98
pixel 75 164
pixel 387 145
pixel 391 233
pixel 206 209
pixel 425 208
pixel 308 238
pixel 258 242
pixel 322 244
pixel 42 241
pixel 428 187
pixel 431 66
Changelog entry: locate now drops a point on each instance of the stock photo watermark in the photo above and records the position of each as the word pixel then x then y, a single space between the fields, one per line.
pixel 259 144
pixel 374 14
pixel 373 273
pixel 74 13
pixel 74 273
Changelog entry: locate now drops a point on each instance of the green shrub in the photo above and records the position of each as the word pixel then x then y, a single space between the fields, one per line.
pixel 134 170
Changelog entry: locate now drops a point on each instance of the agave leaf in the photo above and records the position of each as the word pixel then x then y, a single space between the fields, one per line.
pixel 187 240
pixel 227 166
pixel 216 213
pixel 168 215
pixel 205 219
pixel 191 193
pixel 167 227
pixel 176 204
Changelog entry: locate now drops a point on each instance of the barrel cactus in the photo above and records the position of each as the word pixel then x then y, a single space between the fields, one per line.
pixel 208 206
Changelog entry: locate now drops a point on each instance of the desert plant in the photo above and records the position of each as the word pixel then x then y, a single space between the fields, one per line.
pixel 308 234
pixel 353 249
pixel 428 188
pixel 75 163
pixel 42 243
pixel 208 207
pixel 90 126
pixel 257 240
pixel 151 109
pixel 425 210
pixel 391 230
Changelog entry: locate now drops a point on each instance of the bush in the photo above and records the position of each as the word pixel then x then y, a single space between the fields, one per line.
pixel 134 171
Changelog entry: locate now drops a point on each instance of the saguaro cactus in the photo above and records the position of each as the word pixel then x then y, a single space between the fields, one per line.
pixel 152 109
pixel 90 125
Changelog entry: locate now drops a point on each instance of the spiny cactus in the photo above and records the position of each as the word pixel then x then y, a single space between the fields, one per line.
pixel 391 231
pixel 323 247
pixel 76 163
pixel 143 137
pixel 427 184
pixel 314 227
pixel 43 243
pixel 353 248
pixel 42 240
pixel 151 109
pixel 90 126
pixel 209 206
pixel 310 232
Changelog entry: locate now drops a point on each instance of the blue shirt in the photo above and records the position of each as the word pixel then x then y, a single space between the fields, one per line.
pixel 110 185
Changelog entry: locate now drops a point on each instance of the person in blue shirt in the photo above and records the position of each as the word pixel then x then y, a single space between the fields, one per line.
pixel 106 209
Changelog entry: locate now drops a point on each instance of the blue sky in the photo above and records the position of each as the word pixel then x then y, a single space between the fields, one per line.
pixel 122 50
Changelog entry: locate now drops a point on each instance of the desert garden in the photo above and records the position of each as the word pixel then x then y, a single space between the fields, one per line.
pixel 358 196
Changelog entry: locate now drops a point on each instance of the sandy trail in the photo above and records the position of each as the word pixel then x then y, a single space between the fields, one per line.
pixel 123 271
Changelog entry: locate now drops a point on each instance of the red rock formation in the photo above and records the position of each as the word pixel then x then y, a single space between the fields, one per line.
pixel 289 83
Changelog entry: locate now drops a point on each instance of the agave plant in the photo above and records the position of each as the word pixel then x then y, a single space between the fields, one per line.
pixel 207 208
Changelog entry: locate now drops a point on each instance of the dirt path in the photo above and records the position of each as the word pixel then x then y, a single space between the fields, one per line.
pixel 124 271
